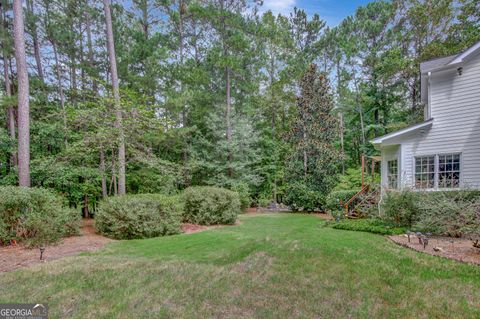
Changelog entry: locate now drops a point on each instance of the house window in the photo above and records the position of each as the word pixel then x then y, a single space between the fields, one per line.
pixel 437 171
pixel 425 172
pixel 449 171
pixel 392 174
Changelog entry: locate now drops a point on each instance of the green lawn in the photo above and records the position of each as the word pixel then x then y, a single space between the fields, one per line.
pixel 270 266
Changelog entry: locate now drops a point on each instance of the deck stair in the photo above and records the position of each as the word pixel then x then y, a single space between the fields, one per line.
pixel 366 200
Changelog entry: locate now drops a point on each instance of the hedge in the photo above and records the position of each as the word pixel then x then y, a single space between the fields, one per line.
pixel 207 205
pixel 139 216
pixel 35 216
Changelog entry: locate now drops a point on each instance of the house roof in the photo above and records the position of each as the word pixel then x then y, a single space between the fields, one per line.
pixel 434 64
pixel 449 61
pixel 445 63
pixel 382 139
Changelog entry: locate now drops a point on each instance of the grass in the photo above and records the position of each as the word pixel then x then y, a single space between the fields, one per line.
pixel 270 266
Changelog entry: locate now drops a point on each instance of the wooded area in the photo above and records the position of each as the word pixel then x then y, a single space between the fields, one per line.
pixel 153 96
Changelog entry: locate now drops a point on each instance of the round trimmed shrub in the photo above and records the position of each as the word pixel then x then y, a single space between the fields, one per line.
pixel 207 205
pixel 35 216
pixel 139 216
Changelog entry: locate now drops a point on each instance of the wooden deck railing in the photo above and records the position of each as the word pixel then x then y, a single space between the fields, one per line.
pixel 351 200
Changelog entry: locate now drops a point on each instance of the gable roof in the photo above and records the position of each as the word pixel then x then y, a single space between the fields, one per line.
pixel 449 61
pixel 434 64
pixel 445 63
pixel 382 139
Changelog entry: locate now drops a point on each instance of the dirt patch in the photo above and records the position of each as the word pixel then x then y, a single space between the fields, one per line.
pixel 188 228
pixel 454 248
pixel 323 216
pixel 194 228
pixel 13 257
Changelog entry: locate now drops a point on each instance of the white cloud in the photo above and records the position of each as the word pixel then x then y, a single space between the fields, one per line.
pixel 279 6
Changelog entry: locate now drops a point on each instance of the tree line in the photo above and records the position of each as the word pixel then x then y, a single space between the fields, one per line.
pixel 144 96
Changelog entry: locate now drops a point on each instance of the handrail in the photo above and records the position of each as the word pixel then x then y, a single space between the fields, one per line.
pixel 374 193
pixel 363 190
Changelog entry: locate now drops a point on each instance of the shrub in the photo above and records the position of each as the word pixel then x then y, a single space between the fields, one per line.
pixel 207 205
pixel 449 214
pixel 264 200
pixel 244 194
pixel 401 208
pixel 336 197
pixel 452 213
pixel 301 197
pixel 368 225
pixel 352 179
pixel 139 216
pixel 35 216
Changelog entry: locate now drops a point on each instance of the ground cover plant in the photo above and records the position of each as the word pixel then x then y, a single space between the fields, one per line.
pixel 269 266
pixel 370 225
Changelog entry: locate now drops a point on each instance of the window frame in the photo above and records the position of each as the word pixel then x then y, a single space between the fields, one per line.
pixel 436 185
pixel 460 184
pixel 396 174
pixel 428 172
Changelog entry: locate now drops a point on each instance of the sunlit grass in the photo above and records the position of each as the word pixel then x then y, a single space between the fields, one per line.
pixel 269 266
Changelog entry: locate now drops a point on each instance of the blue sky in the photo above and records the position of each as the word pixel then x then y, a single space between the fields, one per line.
pixel 332 11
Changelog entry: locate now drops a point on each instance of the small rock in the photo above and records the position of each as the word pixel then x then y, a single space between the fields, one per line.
pixel 438 249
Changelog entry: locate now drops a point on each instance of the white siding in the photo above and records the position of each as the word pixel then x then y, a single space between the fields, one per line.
pixel 455 108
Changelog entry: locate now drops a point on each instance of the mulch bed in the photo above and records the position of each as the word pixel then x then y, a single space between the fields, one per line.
pixel 459 249
pixel 13 257
pixel 194 228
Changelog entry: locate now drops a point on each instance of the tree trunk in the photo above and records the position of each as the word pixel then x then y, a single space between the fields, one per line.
pixel 340 115
pixel 342 143
pixel 184 106
pixel 116 95
pixel 227 118
pixel 36 44
pixel 359 106
pixel 23 96
pixel 228 111
pixel 85 210
pixel 102 172
pixel 8 92
pixel 91 62
pixel 60 89
pixel 305 155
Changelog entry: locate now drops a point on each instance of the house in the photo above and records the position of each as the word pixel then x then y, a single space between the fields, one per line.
pixel 443 152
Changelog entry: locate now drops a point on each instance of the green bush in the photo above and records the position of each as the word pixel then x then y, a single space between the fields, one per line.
pixel 401 208
pixel 244 194
pixel 207 205
pixel 336 197
pixel 139 216
pixel 449 214
pixel 301 197
pixel 264 200
pixel 368 225
pixel 352 179
pixel 35 216
pixel 452 213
